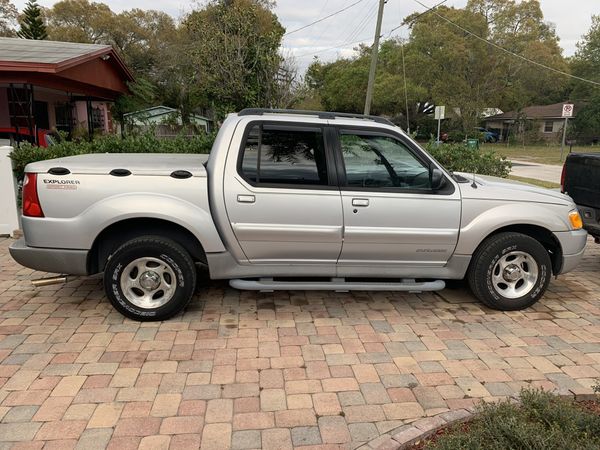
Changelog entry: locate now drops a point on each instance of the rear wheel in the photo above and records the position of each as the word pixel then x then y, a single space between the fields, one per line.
pixel 510 271
pixel 150 278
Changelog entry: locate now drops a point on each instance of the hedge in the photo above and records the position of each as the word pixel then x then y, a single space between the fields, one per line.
pixel 458 158
pixel 143 143
pixel 454 157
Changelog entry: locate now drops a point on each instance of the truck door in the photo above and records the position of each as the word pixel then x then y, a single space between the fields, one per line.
pixel 392 216
pixel 282 200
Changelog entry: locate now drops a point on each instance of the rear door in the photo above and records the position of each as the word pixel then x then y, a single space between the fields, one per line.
pixel 283 202
pixel 391 214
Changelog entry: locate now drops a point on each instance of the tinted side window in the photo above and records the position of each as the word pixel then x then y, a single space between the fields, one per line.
pixel 276 155
pixel 381 161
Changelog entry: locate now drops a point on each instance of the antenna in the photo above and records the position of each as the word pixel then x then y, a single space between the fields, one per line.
pixel 474 185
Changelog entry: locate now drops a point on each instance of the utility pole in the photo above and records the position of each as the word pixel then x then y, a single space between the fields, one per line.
pixel 374 56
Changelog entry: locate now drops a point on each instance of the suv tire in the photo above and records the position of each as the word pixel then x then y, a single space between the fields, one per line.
pixel 150 278
pixel 510 271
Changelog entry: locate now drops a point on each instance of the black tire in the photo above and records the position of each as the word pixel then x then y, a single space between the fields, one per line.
pixel 164 251
pixel 485 264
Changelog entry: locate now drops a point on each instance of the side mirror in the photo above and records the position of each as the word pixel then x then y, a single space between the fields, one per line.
pixel 438 180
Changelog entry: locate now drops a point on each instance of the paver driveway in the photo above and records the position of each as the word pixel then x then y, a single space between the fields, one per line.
pixel 246 370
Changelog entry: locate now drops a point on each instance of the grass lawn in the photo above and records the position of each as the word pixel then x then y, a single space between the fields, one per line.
pixel 540 183
pixel 542 154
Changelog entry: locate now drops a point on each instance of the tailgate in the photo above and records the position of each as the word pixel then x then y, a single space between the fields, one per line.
pixel 582 179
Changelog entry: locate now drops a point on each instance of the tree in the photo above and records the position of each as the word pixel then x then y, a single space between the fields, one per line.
pixel 447 65
pixel 586 62
pixel 234 45
pixel 80 21
pixel 32 22
pixel 520 28
pixel 142 95
pixel 8 18
pixel 341 85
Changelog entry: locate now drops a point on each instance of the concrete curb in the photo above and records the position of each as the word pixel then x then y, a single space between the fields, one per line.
pixel 403 437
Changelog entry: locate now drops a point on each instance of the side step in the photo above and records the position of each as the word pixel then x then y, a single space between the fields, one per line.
pixel 336 284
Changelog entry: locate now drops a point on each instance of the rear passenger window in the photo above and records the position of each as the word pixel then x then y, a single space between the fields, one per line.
pixel 284 155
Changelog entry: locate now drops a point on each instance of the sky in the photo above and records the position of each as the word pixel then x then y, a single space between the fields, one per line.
pixel 338 35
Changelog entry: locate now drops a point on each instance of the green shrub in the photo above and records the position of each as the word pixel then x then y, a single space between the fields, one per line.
pixel 543 421
pixel 454 157
pixel 458 158
pixel 142 143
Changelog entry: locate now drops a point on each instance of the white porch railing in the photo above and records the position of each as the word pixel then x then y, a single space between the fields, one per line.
pixel 9 218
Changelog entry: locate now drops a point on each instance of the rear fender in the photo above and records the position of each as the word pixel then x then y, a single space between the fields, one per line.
pixel 79 232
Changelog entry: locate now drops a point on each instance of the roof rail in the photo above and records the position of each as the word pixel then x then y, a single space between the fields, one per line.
pixel 319 114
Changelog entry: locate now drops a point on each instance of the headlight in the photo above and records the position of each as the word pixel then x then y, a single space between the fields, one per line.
pixel 575 220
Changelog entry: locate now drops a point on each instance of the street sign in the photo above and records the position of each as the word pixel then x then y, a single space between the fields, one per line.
pixel 567 110
pixel 566 113
pixel 439 112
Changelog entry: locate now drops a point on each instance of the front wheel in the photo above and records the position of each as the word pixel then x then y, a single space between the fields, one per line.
pixel 510 271
pixel 150 278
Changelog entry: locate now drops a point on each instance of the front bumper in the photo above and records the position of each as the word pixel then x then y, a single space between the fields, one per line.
pixel 572 244
pixel 55 260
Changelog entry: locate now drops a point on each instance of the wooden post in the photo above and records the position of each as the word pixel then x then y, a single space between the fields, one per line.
pixel 564 137
pixel 374 56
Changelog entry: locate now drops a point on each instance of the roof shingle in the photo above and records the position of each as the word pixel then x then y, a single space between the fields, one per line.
pixel 44 52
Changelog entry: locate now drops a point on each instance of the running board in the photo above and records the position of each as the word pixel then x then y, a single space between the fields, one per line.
pixel 336 284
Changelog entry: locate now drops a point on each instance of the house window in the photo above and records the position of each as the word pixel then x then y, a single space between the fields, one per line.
pixel 97 118
pixel 548 126
pixel 64 116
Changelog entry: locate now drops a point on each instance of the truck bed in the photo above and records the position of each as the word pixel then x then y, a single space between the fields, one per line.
pixel 136 163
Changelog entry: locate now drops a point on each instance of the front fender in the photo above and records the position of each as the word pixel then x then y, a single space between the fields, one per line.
pixel 479 220
pixel 79 232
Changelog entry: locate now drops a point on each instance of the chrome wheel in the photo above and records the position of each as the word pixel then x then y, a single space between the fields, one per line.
pixel 148 283
pixel 515 274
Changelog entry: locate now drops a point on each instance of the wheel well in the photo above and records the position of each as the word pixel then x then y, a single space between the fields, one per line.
pixel 543 236
pixel 120 232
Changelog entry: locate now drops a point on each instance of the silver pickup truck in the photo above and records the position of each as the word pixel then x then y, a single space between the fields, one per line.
pixel 295 201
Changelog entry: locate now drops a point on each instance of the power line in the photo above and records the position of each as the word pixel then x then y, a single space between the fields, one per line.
pixel 323 18
pixel 362 24
pixel 354 21
pixel 352 35
pixel 516 55
pixel 419 16
pixel 345 44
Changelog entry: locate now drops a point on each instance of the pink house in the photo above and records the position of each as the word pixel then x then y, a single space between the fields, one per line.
pixel 49 85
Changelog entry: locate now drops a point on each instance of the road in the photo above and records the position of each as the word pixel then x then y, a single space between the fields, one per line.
pixel 544 172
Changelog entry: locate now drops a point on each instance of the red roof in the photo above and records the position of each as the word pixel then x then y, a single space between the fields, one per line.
pixel 83 69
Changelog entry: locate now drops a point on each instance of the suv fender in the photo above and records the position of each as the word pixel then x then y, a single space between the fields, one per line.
pixel 81 231
pixel 478 227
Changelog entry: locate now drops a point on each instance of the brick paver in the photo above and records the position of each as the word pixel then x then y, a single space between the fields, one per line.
pixel 280 370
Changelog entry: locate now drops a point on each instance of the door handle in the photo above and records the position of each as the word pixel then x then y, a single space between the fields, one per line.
pixel 360 202
pixel 245 198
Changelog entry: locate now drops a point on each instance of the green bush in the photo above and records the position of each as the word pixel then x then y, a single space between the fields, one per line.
pixel 543 421
pixel 458 158
pixel 454 157
pixel 142 143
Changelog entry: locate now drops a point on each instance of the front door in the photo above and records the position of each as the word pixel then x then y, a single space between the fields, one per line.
pixel 391 214
pixel 284 204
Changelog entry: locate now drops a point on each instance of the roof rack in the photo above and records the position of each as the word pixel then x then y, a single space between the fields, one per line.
pixel 319 114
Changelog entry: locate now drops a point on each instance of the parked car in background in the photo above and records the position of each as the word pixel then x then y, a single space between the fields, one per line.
pixel 489 136
pixel 581 181
pixel 15 135
pixel 293 200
